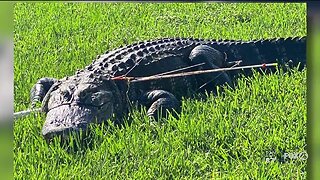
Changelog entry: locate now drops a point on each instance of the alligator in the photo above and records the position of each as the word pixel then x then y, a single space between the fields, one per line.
pixel 101 91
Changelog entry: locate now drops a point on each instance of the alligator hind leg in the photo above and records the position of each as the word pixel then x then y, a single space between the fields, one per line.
pixel 213 59
pixel 159 103
pixel 40 89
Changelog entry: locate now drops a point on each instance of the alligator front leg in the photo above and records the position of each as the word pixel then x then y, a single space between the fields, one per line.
pixel 40 89
pixel 159 103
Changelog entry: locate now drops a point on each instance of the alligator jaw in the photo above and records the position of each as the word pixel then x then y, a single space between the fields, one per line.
pixel 65 119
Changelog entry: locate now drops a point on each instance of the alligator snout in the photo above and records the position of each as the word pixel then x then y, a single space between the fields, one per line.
pixel 66 119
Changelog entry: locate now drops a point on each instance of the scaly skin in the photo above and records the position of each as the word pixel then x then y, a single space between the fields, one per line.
pixel 92 95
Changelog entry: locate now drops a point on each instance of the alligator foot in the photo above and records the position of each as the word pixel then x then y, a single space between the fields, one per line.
pixel 159 103
pixel 213 59
pixel 40 89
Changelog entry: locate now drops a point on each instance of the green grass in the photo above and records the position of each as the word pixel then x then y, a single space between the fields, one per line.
pixel 227 136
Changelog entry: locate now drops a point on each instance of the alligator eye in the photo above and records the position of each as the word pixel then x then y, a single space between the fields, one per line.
pixel 66 95
pixel 101 97
pixel 84 92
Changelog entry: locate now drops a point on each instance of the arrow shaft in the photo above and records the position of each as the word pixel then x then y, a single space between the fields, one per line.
pixel 157 77
pixel 20 114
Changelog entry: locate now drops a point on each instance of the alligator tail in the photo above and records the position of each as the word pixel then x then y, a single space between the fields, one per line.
pixel 287 52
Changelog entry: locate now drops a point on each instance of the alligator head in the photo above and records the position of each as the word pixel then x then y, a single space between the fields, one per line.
pixel 74 102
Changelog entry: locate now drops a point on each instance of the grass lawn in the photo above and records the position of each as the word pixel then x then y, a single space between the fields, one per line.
pixel 226 136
